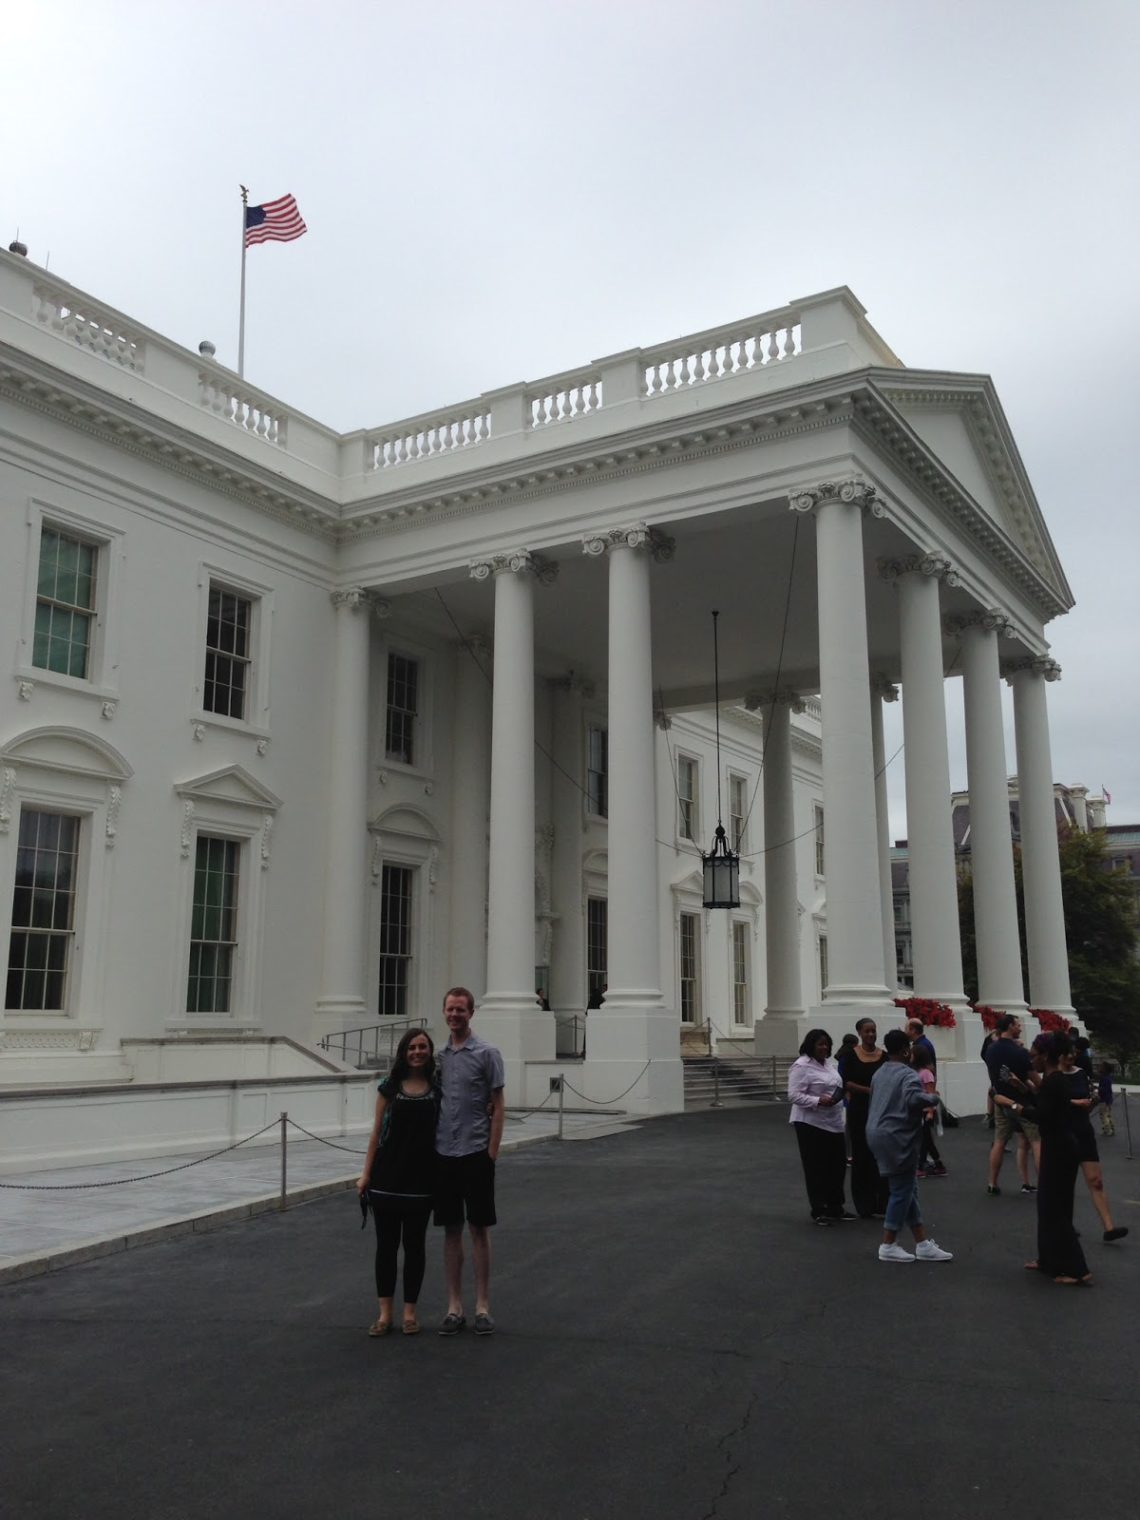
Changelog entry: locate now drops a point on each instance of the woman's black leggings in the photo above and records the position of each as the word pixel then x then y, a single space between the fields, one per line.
pixel 396 1222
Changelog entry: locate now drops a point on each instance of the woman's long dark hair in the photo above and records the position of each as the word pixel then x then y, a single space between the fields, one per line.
pixel 400 1068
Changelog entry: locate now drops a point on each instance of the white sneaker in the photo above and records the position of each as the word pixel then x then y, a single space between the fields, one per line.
pixel 895 1253
pixel 930 1250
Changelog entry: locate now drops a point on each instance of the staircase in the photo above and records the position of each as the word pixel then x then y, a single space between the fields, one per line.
pixel 735 1079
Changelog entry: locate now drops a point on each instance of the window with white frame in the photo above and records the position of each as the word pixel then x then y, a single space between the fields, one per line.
pixel 597 771
pixel 597 929
pixel 213 925
pixel 43 911
pixel 687 781
pixel 741 1001
pixel 226 688
pixel 65 603
pixel 402 709
pixel 690 936
pixel 396 884
pixel 737 810
pixel 823 974
pixel 817 813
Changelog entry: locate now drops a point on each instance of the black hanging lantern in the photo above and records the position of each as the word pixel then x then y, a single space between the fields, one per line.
pixel 721 865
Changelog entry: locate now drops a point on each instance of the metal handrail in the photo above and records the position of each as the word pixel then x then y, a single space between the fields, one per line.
pixel 368 1038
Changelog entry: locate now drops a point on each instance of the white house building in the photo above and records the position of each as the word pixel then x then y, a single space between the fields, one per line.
pixel 302 727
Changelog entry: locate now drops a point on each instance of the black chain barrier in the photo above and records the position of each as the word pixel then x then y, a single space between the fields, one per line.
pixel 72 1187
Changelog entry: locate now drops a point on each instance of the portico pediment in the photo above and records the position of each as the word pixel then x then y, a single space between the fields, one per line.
pixel 67 749
pixel 231 784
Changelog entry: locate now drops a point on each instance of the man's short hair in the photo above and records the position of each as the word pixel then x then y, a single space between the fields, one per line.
pixel 896 1041
pixel 1005 1022
pixel 914 1025
pixel 462 992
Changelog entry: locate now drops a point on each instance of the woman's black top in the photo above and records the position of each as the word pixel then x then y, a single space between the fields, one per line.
pixel 404 1165
pixel 853 1069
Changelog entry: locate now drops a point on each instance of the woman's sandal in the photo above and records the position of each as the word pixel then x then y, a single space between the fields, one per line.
pixel 381 1327
pixel 411 1327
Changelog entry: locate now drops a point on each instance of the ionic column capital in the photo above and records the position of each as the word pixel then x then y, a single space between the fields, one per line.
pixel 884 688
pixel 1036 664
pixel 356 597
pixel 855 492
pixel 985 619
pixel 638 536
pixel 515 562
pixel 931 564
pixel 782 696
pixel 479 645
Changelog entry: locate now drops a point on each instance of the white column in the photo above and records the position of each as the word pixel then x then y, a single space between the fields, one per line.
pixel 509 1016
pixel 775 1033
pixel 1040 860
pixel 991 845
pixel 633 1027
pixel 854 915
pixel 470 802
pixel 568 959
pixel 930 838
pixel 883 691
pixel 342 1003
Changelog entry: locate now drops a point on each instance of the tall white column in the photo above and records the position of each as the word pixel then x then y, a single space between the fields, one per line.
pixel 342 1002
pixel 883 691
pixel 633 1027
pixel 930 837
pixel 991 845
pixel 775 1032
pixel 471 786
pixel 509 1016
pixel 568 960
pixel 854 915
pixel 1040 860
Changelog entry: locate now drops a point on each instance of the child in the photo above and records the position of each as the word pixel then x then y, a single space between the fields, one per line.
pixel 1105 1098
pixel 920 1060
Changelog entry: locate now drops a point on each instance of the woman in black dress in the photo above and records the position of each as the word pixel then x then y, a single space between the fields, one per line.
pixel 1059 1251
pixel 1082 1101
pixel 398 1173
pixel 857 1067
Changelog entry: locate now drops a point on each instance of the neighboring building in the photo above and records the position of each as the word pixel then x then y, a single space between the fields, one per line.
pixel 301 727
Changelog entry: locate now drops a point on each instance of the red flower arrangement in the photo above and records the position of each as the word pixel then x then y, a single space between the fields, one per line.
pixel 1051 1023
pixel 989 1016
pixel 934 1015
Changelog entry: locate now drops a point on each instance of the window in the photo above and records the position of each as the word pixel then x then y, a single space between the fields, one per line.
pixel 43 911
pixel 597 926
pixel 687 797
pixel 690 968
pixel 403 694
pixel 823 973
pixel 740 999
pixel 737 811
pixel 819 856
pixel 597 771
pixel 65 603
pixel 395 940
pixel 229 621
pixel 213 925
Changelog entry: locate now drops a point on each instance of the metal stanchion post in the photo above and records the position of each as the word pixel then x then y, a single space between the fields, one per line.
pixel 561 1104
pixel 1127 1123
pixel 284 1152
pixel 716 1103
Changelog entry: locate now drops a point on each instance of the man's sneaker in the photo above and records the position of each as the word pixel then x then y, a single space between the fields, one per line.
pixel 930 1250
pixel 921 1175
pixel 1027 1187
pixel 993 1191
pixel 894 1253
pixel 484 1324
pixel 938 1171
pixel 452 1324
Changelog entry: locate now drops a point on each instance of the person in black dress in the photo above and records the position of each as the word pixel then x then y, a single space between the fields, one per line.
pixel 1082 1101
pixel 1059 1253
pixel 857 1067
pixel 397 1178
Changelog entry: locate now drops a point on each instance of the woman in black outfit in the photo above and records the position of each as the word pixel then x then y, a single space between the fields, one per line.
pixel 1082 1101
pixel 857 1067
pixel 1059 1251
pixel 398 1173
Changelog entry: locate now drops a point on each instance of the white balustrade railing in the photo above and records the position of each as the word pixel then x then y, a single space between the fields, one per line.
pixel 720 352
pixel 234 402
pixel 429 436
pixel 88 326
pixel 562 398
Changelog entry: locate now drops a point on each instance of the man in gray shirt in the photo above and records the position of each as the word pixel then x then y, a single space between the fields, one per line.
pixel 467 1138
pixel 894 1132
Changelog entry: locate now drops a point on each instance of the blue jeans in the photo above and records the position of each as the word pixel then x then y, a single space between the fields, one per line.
pixel 902 1202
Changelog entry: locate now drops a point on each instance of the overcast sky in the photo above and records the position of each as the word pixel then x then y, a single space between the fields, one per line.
pixel 502 190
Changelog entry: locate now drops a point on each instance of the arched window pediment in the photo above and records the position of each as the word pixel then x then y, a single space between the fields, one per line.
pixel 70 750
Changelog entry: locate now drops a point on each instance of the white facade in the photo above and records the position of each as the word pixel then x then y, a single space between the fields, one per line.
pixel 433 622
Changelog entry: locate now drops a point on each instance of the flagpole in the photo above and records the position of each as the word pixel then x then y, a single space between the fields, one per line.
pixel 241 307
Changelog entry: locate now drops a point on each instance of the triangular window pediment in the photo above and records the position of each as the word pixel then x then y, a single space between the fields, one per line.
pixel 69 750
pixel 231 784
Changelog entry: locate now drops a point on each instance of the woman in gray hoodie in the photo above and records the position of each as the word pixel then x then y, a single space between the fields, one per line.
pixel 894 1134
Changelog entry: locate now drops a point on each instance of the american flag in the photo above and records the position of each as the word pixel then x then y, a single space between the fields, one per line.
pixel 276 221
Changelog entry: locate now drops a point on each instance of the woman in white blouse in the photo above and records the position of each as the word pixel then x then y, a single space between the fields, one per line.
pixel 815 1092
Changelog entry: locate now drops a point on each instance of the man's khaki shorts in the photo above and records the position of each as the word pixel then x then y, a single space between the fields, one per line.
pixel 1007 1124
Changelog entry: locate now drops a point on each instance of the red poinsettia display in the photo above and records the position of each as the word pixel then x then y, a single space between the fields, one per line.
pixel 1051 1023
pixel 933 1014
pixel 989 1016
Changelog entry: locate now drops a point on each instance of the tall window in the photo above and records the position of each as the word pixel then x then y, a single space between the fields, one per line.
pixel 737 810
pixel 823 974
pixel 819 855
pixel 690 968
pixel 740 999
pixel 687 797
pixel 597 771
pixel 213 925
pixel 43 911
pixel 65 603
pixel 229 623
pixel 395 940
pixel 597 925
pixel 403 697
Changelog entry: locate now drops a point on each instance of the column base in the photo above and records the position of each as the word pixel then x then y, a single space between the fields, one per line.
pixel 964 1086
pixel 778 1032
pixel 334 1014
pixel 516 1026
pixel 626 1032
